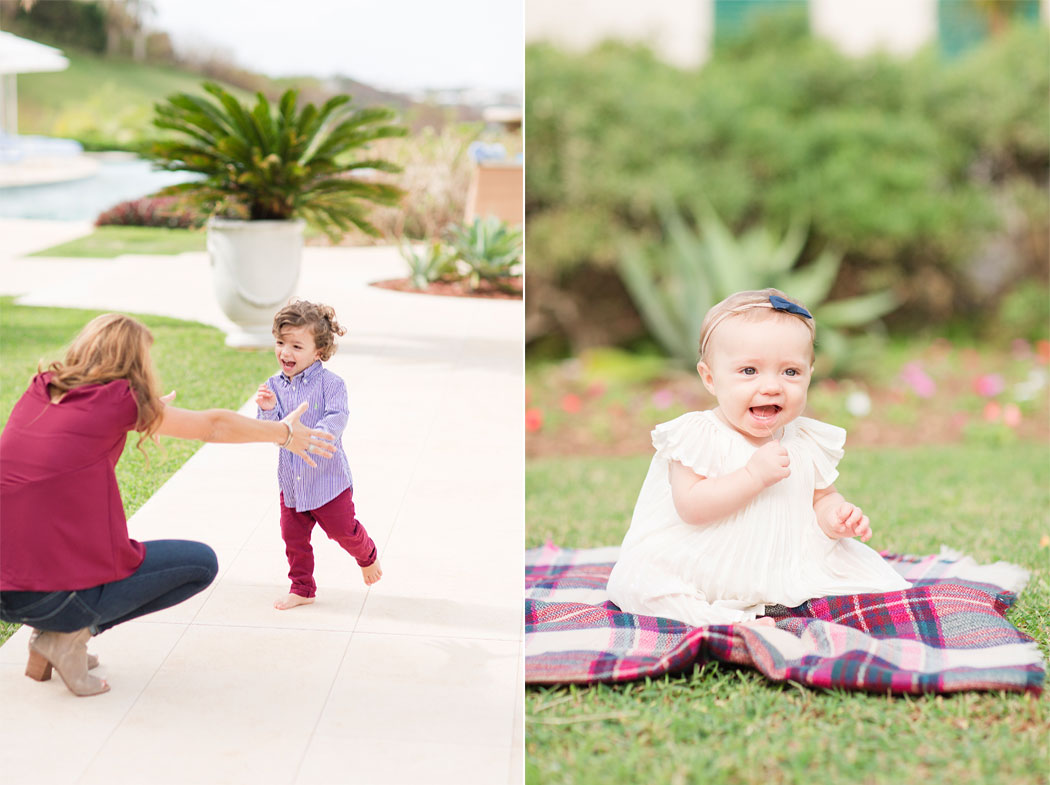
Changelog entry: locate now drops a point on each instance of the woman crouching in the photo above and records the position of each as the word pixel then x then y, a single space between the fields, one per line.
pixel 68 567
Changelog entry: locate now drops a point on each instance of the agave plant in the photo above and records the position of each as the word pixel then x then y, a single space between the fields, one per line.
pixel 489 247
pixel 277 162
pixel 674 283
pixel 433 261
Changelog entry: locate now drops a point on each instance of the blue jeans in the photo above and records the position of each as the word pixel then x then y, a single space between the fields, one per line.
pixel 173 571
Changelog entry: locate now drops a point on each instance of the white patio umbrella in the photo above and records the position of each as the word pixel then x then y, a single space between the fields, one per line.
pixel 21 56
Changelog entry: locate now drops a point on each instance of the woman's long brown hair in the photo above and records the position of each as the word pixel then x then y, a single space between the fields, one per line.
pixel 110 347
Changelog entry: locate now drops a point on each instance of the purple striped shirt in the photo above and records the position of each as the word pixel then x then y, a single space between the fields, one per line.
pixel 305 487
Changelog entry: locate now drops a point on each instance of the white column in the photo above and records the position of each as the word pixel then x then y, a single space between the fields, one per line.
pixel 859 27
pixel 679 31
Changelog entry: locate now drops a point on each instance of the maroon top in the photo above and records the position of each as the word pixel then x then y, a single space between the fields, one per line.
pixel 62 524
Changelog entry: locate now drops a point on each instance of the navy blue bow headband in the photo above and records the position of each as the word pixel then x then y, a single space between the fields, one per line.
pixel 780 304
pixel 775 302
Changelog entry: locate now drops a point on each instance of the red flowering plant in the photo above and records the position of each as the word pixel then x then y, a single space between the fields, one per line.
pixel 159 211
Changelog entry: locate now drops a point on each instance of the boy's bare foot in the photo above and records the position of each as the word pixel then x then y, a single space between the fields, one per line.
pixel 291 601
pixel 372 573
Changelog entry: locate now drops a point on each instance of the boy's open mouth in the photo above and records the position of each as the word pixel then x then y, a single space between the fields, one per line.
pixel 765 412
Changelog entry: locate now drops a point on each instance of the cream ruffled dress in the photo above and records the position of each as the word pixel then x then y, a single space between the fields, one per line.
pixel 772 551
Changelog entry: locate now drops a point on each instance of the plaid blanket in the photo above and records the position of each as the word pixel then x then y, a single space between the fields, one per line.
pixel 946 633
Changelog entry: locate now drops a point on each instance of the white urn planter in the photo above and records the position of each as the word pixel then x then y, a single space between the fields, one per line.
pixel 255 270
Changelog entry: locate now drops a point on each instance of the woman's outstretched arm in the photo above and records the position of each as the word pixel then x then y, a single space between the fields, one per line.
pixel 223 425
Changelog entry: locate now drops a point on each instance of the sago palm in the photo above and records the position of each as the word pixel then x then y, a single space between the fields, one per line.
pixel 276 162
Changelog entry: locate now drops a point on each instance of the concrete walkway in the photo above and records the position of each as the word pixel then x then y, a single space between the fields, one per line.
pixel 418 679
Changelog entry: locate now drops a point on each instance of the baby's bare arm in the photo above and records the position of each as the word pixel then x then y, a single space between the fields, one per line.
pixel 825 499
pixel 700 500
pixel 839 518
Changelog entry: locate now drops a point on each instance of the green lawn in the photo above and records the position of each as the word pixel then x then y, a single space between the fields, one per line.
pixel 191 359
pixel 727 725
pixel 109 242
pixel 106 103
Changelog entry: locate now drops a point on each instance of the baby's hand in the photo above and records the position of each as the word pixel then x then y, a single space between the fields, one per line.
pixel 848 520
pixel 265 398
pixel 769 464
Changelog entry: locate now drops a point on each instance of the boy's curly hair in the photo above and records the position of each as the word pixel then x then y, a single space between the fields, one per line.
pixel 320 319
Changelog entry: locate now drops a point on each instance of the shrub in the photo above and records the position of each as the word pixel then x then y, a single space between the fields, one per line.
pixel 993 106
pixel 81 25
pixel 161 211
pixel 1023 313
pixel 886 159
pixel 435 176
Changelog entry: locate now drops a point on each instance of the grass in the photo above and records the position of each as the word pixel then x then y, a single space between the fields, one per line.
pixel 106 103
pixel 722 724
pixel 191 359
pixel 109 242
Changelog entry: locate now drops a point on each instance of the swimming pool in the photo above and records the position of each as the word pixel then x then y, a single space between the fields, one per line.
pixel 116 180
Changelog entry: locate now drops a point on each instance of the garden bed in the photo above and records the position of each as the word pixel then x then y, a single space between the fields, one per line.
pixel 921 394
pixel 509 288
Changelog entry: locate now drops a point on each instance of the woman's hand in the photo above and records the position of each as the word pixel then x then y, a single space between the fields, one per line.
pixel 308 440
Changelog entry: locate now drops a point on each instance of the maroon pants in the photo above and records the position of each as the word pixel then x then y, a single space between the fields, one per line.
pixel 338 521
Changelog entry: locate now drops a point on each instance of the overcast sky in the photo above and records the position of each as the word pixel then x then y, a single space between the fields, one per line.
pixel 400 44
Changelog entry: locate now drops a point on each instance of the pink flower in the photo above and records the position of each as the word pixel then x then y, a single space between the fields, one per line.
pixel 1012 415
pixel 992 411
pixel 595 390
pixel 571 403
pixel 989 385
pixel 533 420
pixel 1020 348
pixel 663 398
pixel 918 380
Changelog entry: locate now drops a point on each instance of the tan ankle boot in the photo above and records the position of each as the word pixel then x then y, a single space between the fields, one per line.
pixel 92 658
pixel 65 652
